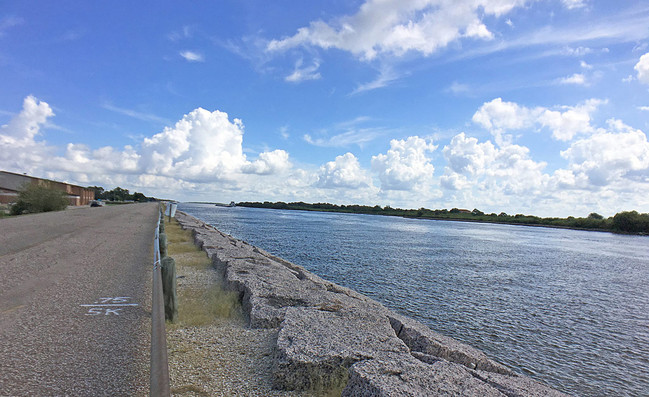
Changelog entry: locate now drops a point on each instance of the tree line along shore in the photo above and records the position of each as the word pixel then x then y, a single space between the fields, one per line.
pixel 630 222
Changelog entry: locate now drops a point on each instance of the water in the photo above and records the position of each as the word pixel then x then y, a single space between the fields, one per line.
pixel 569 308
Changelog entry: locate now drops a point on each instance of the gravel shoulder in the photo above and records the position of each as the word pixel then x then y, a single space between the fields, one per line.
pixel 211 350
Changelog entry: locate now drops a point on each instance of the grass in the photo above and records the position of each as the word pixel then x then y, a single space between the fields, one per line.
pixel 203 303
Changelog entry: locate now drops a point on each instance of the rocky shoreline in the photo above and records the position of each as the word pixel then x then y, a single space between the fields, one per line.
pixel 333 338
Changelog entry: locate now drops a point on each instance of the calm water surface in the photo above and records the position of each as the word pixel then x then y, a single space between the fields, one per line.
pixel 569 308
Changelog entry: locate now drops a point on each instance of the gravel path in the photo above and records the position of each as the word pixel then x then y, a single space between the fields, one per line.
pixel 222 356
pixel 50 265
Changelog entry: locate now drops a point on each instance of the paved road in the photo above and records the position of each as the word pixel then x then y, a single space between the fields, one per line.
pixel 50 266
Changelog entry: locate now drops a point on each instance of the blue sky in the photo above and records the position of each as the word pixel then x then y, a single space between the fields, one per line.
pixel 536 107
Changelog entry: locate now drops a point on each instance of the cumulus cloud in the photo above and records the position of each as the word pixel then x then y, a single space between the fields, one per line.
pixel 609 155
pixel 406 165
pixel 465 155
pixel 344 172
pixel 203 147
pixel 508 169
pixel 499 116
pixel 642 68
pixel 612 161
pixel 301 73
pixel 27 124
pixel 396 27
pixel 269 163
pixel 19 149
pixel 192 56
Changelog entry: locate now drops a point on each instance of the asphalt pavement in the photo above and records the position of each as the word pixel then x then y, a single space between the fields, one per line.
pixel 75 302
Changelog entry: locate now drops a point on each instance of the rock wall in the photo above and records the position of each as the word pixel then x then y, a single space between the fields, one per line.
pixel 331 337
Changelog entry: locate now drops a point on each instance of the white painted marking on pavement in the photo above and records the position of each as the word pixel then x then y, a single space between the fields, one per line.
pixel 108 306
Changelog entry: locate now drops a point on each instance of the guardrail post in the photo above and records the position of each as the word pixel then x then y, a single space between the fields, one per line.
pixel 169 288
pixel 163 245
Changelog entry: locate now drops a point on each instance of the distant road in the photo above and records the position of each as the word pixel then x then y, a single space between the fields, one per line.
pixel 75 304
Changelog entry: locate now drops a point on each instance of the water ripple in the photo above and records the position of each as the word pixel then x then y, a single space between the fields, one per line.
pixel 569 308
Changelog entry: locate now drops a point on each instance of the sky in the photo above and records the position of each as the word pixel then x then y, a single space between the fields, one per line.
pixel 516 106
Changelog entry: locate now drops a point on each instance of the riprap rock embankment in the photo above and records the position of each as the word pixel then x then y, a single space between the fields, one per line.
pixel 332 337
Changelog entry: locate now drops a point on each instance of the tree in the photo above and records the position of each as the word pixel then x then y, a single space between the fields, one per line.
pixel 117 194
pixel 139 197
pixel 98 190
pixel 595 215
pixel 631 222
pixel 36 198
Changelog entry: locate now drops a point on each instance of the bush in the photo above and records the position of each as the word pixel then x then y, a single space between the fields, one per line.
pixel 36 198
pixel 631 222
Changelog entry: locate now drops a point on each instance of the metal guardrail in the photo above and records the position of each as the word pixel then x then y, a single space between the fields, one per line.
pixel 159 364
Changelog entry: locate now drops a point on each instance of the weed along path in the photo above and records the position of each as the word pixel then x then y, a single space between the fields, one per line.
pixel 211 350
pixel 75 304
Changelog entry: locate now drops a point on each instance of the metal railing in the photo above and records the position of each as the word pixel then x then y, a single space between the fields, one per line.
pixel 159 365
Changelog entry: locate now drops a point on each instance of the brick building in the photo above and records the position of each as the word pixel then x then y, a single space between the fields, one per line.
pixel 11 184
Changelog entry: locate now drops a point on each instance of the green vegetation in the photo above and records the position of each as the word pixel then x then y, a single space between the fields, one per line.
pixel 201 304
pixel 119 195
pixel 623 222
pixel 37 198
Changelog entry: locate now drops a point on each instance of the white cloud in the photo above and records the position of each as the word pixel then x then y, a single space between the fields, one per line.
pixel 202 148
pixel 610 155
pixel 508 170
pixel 576 51
pixel 572 4
pixel 269 163
pixel 26 125
pixel 642 67
pixel 577 79
pixel 192 56
pixel 386 77
pixel 358 137
pixel 202 157
pixel 405 166
pixel 499 116
pixel 585 65
pixel 354 134
pixel 304 73
pixel 574 120
pixel 466 156
pixel 644 108
pixel 19 149
pixel 396 27
pixel 344 172
pixel 205 146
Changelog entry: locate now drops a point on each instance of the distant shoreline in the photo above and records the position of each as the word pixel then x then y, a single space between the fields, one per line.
pixel 631 223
